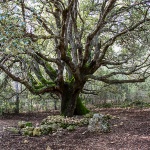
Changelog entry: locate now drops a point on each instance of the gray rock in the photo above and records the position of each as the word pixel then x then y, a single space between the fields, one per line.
pixel 99 123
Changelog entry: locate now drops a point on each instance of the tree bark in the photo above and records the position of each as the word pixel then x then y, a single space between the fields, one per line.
pixel 17 98
pixel 71 104
pixel 17 104
pixel 80 108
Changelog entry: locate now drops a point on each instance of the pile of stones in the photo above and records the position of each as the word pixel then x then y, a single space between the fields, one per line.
pixel 53 124
pixel 49 125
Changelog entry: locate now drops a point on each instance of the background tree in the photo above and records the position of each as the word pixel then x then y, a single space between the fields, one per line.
pixel 9 97
pixel 70 40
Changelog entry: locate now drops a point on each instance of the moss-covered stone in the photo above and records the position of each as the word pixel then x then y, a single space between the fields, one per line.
pixel 21 124
pixel 71 128
pixel 29 133
pixel 29 128
pixel 46 129
pixel 89 115
pixel 13 130
pixel 26 132
pixel 37 131
pixel 28 124
pixel 55 126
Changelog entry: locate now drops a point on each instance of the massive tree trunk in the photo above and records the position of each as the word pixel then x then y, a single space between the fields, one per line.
pixel 71 104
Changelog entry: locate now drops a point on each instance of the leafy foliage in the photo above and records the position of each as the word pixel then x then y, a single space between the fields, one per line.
pixel 46 45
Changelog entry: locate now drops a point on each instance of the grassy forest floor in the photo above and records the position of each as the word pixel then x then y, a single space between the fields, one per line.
pixel 130 130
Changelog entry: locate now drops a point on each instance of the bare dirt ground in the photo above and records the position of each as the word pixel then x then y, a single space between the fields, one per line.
pixel 130 130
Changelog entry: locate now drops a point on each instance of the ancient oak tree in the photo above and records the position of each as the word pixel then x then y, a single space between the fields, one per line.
pixel 58 45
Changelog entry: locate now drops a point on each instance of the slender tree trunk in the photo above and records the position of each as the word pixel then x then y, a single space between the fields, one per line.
pixel 17 104
pixel 71 104
pixel 55 104
pixel 17 98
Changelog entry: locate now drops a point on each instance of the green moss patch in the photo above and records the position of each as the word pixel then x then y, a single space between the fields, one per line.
pixel 80 108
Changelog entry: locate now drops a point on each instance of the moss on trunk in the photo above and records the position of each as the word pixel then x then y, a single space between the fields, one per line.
pixel 80 108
